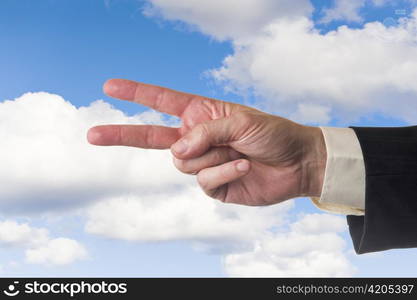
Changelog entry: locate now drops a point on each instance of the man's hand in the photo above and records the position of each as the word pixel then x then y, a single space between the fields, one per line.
pixel 239 154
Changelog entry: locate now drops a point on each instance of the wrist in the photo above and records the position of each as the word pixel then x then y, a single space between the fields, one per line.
pixel 313 162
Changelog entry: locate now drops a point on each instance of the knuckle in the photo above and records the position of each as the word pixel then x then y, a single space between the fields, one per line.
pixel 202 182
pixel 197 135
pixel 211 191
pixel 178 163
pixel 219 156
pixel 183 166
pixel 202 131
pixel 150 137
pixel 120 137
pixel 243 116
pixel 160 99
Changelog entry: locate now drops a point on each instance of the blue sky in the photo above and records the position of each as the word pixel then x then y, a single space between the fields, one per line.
pixel 59 45
pixel 70 47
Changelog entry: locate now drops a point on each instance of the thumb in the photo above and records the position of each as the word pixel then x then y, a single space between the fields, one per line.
pixel 213 133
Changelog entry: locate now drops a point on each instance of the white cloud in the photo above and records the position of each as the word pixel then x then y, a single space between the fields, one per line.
pixel 59 251
pixel 244 235
pixel 396 3
pixel 312 77
pixel 228 19
pixel 39 247
pixel 304 74
pixel 311 113
pixel 344 10
pixel 48 164
pixel 20 235
pixel 352 72
pixel 319 223
pixel 350 10
pixel 185 215
pixel 311 248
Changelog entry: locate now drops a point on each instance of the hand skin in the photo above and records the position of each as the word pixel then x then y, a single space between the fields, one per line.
pixel 239 154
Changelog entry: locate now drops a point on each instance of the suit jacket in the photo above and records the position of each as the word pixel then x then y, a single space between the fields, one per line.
pixel 390 220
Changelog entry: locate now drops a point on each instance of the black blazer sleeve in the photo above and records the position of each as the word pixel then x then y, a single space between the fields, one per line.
pixel 390 221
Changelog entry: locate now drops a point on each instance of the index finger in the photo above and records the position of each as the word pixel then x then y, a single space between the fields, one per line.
pixel 142 136
pixel 159 98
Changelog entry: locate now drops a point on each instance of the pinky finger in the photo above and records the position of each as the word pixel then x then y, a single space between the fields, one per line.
pixel 211 179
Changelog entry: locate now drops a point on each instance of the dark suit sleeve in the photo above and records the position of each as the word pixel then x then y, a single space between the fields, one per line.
pixel 390 221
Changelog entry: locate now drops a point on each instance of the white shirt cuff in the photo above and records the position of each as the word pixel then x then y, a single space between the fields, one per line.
pixel 344 180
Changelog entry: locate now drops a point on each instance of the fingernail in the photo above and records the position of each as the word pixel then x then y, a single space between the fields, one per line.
pixel 180 147
pixel 93 136
pixel 242 166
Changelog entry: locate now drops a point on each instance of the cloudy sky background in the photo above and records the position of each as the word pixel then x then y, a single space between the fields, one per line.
pixel 72 209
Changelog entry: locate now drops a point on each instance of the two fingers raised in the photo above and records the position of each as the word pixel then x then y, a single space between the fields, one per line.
pixel 200 151
pixel 143 136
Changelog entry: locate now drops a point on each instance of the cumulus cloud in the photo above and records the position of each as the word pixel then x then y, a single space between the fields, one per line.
pixel 319 223
pixel 311 113
pixel 21 235
pixel 310 248
pixel 39 247
pixel 344 10
pixel 280 56
pixel 305 74
pixel 243 235
pixel 59 251
pixel 228 19
pixel 351 10
pixel 47 163
pixel 185 215
pixel 352 72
